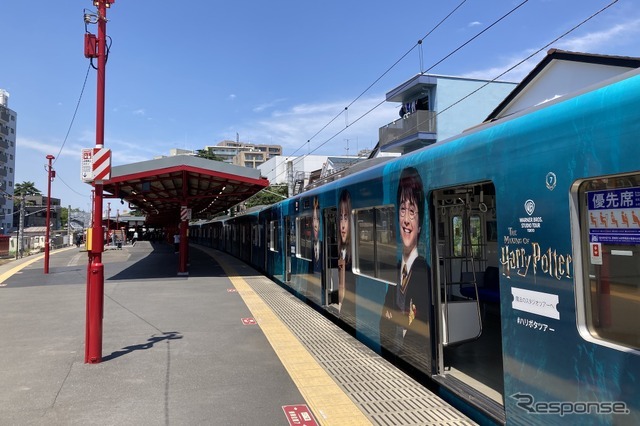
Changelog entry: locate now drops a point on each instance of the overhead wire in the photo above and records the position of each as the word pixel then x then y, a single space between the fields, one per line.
pixel 398 61
pixel 477 89
pixel 75 112
pixel 418 43
pixel 475 36
pixel 566 33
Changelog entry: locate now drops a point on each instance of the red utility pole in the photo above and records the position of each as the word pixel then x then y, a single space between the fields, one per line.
pixel 109 224
pixel 95 270
pixel 47 246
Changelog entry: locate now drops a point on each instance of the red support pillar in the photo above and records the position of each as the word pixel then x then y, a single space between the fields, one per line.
pixel 47 245
pixel 109 239
pixel 95 270
pixel 184 247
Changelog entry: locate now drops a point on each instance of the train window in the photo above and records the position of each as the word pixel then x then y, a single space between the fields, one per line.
pixel 255 236
pixel 268 235
pixel 304 242
pixel 375 243
pixel 475 233
pixel 609 217
pixel 274 232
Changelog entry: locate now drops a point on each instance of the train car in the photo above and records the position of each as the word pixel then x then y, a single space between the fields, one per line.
pixel 503 264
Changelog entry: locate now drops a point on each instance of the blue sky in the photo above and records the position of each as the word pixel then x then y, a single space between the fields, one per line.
pixel 190 73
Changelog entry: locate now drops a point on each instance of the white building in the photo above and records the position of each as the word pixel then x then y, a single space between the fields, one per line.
pixel 298 172
pixel 559 73
pixel 8 122
pixel 437 107
pixel 286 170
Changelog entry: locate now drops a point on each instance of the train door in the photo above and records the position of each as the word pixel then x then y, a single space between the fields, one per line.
pixel 330 281
pixel 469 350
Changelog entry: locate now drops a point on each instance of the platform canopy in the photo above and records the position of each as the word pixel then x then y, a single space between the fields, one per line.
pixel 161 187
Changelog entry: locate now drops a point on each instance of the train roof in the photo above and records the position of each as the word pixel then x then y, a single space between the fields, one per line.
pixel 355 168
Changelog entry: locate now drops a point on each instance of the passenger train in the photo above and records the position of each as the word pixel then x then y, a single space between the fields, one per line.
pixel 502 264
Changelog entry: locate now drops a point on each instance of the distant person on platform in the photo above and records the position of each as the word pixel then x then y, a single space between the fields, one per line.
pixel 176 242
pixel 135 238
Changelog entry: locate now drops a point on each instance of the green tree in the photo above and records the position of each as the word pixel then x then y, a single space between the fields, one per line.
pixel 26 188
pixel 23 189
pixel 206 153
pixel 64 215
pixel 268 196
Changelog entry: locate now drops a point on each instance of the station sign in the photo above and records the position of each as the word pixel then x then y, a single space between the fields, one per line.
pixel 614 216
pixel 95 164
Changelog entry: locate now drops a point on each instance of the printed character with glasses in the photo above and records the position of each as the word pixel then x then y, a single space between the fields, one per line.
pixel 405 313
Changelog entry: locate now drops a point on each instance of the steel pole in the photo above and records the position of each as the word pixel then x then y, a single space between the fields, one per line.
pixel 47 245
pixel 95 290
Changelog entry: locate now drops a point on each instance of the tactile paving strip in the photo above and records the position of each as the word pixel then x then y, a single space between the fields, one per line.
pixel 386 395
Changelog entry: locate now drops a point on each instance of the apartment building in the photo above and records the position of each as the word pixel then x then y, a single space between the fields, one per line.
pixel 8 122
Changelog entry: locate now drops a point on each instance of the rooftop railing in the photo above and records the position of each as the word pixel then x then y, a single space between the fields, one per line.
pixel 412 124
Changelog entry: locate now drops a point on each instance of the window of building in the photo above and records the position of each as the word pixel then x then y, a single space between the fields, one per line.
pixel 375 243
pixel 609 244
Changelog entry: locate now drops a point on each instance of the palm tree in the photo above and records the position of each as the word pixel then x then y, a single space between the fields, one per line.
pixel 23 189
pixel 26 188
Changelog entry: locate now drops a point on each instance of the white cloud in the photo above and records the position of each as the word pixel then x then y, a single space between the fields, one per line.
pixel 26 146
pixel 474 24
pixel 292 128
pixel 599 42
pixel 268 105
pixel 232 97
pixel 140 111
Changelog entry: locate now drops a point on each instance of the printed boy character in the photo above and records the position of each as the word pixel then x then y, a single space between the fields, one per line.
pixel 405 313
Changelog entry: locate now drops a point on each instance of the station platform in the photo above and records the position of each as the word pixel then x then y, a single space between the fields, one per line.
pixel 221 346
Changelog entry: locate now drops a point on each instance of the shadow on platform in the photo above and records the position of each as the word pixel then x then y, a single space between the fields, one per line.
pixel 169 335
pixel 162 262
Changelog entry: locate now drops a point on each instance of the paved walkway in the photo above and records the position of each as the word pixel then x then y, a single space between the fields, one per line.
pixel 221 346
pixel 174 349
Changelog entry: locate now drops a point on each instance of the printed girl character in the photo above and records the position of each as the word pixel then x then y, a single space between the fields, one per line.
pixel 346 279
pixel 317 247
